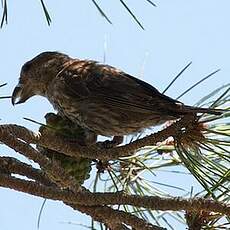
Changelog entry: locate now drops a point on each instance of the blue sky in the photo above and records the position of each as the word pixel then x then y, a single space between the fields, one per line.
pixel 176 32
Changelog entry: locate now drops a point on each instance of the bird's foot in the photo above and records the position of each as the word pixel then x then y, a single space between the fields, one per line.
pixel 102 166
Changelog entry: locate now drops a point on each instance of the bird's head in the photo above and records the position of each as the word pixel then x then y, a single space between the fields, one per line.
pixel 37 74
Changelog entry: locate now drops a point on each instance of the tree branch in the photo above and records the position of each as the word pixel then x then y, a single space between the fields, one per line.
pixel 100 213
pixel 85 197
pixel 57 143
pixel 160 203
pixel 114 218
pixel 53 168
pixel 12 165
pixel 95 204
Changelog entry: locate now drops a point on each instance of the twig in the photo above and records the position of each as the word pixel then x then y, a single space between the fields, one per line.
pixel 57 143
pixel 12 165
pixel 114 218
pixel 100 213
pixel 161 203
pixel 93 152
pixel 83 197
pixel 53 168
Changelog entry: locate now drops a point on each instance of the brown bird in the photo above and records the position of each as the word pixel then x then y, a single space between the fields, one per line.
pixel 98 97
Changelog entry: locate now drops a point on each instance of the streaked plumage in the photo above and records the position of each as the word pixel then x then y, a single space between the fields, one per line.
pixel 98 97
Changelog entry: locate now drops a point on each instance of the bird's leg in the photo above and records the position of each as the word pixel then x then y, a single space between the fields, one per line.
pixel 104 165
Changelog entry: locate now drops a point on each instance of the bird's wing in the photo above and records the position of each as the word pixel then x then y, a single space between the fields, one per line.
pixel 95 82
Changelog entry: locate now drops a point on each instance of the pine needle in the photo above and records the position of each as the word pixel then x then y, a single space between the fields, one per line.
pixel 48 18
pixel 177 76
pixel 152 3
pixel 132 14
pixel 101 11
pixel 4 14
pixel 197 83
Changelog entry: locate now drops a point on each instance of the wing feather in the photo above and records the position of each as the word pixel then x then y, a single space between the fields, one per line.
pixel 108 85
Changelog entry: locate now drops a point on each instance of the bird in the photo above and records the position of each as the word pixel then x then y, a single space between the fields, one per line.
pixel 98 97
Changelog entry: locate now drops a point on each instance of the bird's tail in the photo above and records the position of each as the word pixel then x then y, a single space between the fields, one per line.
pixel 192 109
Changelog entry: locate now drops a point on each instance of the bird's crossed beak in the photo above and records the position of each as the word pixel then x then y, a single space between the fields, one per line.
pixel 19 94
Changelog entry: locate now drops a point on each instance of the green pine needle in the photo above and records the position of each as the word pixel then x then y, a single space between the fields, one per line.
pixel 132 14
pixel 152 3
pixel 48 18
pixel 4 14
pixel 101 11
